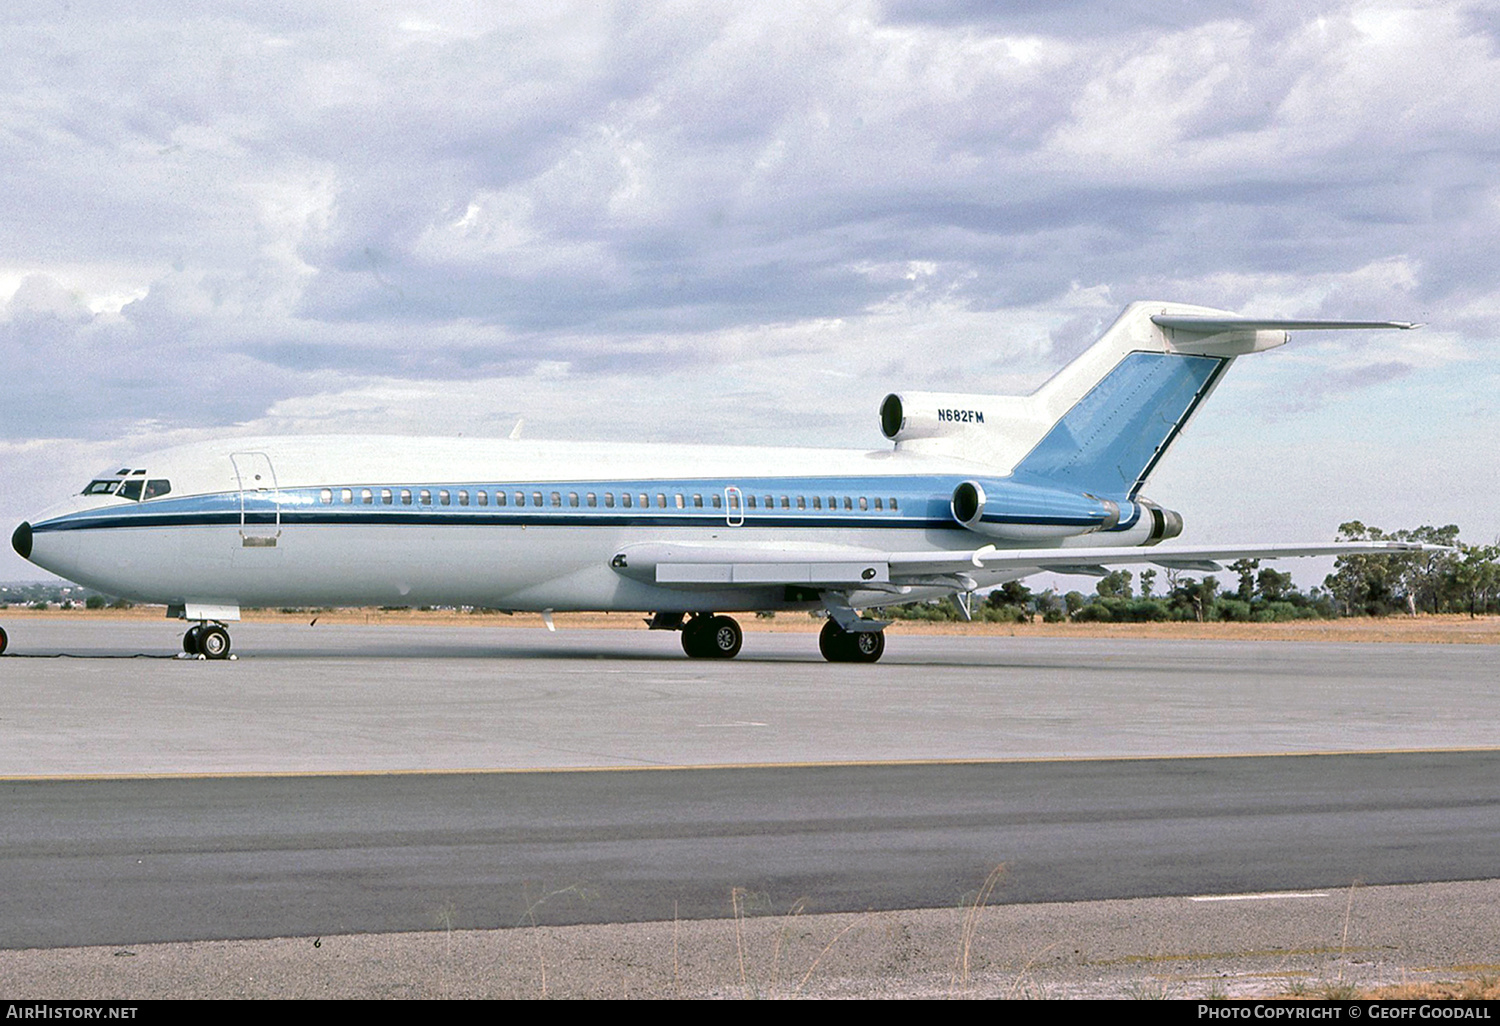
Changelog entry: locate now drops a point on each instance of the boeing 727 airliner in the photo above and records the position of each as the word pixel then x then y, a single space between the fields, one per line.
pixel 976 490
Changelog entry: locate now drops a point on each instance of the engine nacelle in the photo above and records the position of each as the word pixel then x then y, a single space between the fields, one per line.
pixel 1155 524
pixel 911 415
pixel 1009 510
pixel 1020 512
pixel 994 430
pixel 1145 523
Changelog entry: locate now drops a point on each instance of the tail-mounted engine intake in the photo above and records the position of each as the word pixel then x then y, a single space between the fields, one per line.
pixel 991 430
pixel 935 414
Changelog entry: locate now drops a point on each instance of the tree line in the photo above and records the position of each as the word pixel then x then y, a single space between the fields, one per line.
pixel 1465 580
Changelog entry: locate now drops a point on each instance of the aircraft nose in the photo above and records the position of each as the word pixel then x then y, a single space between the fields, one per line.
pixel 21 540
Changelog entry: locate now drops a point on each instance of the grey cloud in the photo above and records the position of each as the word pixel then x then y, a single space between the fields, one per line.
pixel 1071 19
pixel 1320 389
pixel 1369 374
pixel 342 195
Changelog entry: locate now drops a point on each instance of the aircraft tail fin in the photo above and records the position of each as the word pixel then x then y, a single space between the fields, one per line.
pixel 1116 409
pixel 1121 404
pixel 1103 422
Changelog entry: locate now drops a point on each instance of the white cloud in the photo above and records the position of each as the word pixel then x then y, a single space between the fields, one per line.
pixel 439 216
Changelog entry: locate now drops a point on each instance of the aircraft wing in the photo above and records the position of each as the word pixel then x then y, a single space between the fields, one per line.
pixel 843 568
pixel 1207 558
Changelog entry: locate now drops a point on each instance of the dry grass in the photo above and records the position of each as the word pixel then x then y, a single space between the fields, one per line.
pixel 1426 629
pixel 1479 988
pixel 960 981
pixel 1483 988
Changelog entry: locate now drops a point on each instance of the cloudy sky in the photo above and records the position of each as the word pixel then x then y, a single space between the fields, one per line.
pixel 743 223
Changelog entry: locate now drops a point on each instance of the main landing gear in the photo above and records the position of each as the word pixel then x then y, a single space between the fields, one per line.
pixel 4 640
pixel 709 636
pixel 841 646
pixel 712 636
pixel 210 640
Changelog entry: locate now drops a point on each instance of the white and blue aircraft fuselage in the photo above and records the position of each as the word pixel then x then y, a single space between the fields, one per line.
pixel 975 491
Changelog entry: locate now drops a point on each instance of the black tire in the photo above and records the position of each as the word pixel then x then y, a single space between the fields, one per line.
pixel 214 642
pixel 723 637
pixel 192 641
pixel 693 635
pixel 841 646
pixel 4 640
pixel 833 642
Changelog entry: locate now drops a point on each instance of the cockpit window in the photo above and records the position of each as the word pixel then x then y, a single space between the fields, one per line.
pixel 133 488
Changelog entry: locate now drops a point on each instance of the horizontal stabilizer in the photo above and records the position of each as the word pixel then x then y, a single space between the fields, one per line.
pixel 1213 324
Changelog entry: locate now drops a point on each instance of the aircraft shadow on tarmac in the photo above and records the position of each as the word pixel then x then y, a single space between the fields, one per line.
pixel 575 653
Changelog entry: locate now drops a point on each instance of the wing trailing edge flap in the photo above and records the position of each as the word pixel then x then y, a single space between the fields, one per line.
pixel 834 567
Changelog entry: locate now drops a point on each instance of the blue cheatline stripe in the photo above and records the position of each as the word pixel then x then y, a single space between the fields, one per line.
pixel 557 518
pixel 304 504
pixel 923 504
pixel 1110 441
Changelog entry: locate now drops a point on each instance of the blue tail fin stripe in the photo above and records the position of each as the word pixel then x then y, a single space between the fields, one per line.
pixel 1111 439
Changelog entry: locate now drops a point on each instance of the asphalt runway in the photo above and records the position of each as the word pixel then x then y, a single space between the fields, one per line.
pixel 130 861
pixel 316 785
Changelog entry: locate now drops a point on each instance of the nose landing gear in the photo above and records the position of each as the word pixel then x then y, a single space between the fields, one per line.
pixel 210 640
pixel 712 637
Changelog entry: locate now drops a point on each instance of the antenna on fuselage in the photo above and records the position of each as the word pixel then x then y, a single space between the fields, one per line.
pixel 515 432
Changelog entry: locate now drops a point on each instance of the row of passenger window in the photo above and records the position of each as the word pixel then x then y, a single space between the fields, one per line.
pixel 591 500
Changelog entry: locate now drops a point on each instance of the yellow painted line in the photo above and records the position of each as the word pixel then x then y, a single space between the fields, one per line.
pixel 1476 967
pixel 1198 956
pixel 670 767
pixel 1267 896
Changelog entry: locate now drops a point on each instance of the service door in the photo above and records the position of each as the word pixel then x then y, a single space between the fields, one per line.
pixel 260 500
